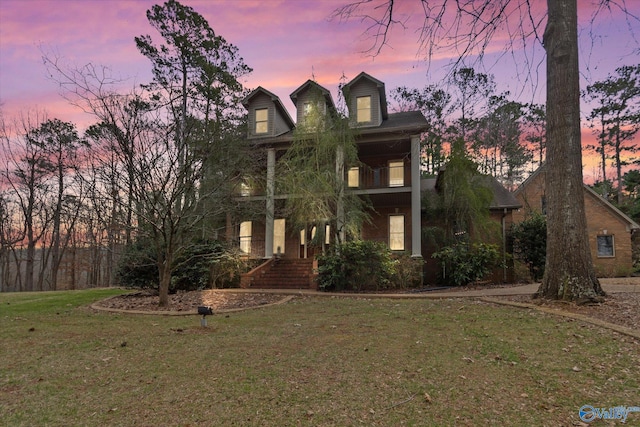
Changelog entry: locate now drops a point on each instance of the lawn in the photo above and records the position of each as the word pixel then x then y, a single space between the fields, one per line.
pixel 312 362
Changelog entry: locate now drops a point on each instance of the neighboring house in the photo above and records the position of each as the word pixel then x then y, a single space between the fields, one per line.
pixel 610 231
pixel 388 150
pixel 501 209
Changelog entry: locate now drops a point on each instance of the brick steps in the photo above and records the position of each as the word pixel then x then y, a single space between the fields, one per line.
pixel 285 274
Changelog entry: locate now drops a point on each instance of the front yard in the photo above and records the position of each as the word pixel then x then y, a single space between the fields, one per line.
pixel 312 361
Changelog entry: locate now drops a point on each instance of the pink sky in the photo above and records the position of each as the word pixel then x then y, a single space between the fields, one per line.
pixel 285 42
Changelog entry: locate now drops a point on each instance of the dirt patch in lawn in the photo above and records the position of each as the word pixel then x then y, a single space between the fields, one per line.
pixel 188 302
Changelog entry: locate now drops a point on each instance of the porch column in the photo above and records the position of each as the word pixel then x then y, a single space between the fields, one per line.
pixel 340 204
pixel 270 214
pixel 416 223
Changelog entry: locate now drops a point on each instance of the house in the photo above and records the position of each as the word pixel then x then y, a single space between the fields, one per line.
pixel 501 209
pixel 388 175
pixel 610 231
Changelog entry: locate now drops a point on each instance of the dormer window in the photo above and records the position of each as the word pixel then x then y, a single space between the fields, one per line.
pixel 262 120
pixel 313 113
pixel 309 108
pixel 363 109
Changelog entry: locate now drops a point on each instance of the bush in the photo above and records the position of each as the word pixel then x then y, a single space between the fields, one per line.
pixel 202 265
pixel 137 267
pixel 407 272
pixel 530 244
pixel 464 263
pixel 357 266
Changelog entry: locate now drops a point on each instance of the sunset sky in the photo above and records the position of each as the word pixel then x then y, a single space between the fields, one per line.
pixel 285 42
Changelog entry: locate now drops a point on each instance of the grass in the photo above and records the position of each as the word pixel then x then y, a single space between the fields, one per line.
pixel 310 362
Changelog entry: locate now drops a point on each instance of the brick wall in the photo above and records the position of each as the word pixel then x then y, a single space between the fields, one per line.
pixel 601 220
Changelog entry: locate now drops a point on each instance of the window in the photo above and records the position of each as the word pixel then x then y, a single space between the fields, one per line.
pixel 278 236
pixel 262 120
pixel 245 189
pixel 396 232
pixel 396 173
pixel 313 114
pixel 363 109
pixel 303 235
pixel 307 109
pixel 605 246
pixel 245 237
pixel 310 114
pixel 353 177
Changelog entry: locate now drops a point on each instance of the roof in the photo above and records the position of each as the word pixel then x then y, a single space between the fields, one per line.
pixel 632 224
pixel 502 198
pixel 406 122
pixel 398 125
pixel 310 84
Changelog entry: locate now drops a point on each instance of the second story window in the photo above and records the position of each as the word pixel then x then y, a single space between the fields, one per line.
pixel 262 120
pixel 363 109
pixel 396 173
pixel 353 177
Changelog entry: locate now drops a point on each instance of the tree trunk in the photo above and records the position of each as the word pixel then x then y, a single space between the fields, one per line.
pixel 164 269
pixel 569 272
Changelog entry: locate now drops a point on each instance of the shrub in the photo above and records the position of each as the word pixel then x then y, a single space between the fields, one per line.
pixel 137 267
pixel 356 265
pixel 464 263
pixel 407 272
pixel 530 243
pixel 201 265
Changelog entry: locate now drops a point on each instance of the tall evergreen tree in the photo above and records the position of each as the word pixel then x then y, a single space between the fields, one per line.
pixel 196 85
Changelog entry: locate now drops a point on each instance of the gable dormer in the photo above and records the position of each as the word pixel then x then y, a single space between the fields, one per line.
pixel 267 115
pixel 313 103
pixel 366 101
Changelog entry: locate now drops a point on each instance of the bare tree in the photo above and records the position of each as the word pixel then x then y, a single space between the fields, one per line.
pixel 26 172
pixel 468 28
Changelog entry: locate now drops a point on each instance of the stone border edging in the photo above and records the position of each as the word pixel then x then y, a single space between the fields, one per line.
pixel 96 306
pixel 617 328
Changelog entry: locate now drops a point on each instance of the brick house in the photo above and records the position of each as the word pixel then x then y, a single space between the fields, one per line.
pixel 610 231
pixel 388 150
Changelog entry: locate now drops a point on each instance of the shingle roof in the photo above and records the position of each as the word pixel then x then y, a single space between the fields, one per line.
pixel 406 122
pixel 502 198
pixel 542 169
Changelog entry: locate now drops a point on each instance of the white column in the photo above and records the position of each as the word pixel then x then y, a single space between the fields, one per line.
pixel 271 177
pixel 416 241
